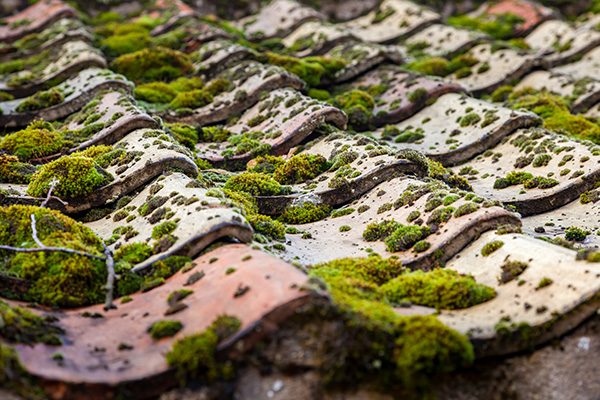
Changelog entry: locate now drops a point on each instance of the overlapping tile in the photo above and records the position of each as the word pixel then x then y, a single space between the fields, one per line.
pixel 34 19
pixel 399 199
pixel 398 94
pixel 199 219
pixel 277 19
pixel 368 165
pixel 361 57
pixel 583 93
pixel 317 37
pixel 563 41
pixel 250 79
pixel 60 64
pixel 77 92
pixel 525 311
pixel 456 128
pixel 584 68
pixel 494 68
pixel 559 170
pixel 93 350
pixel 139 157
pixel 282 121
pixel 392 20
pixel 219 54
pixel 444 41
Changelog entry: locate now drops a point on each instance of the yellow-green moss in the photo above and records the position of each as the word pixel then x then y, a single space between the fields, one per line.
pixel 254 184
pixel 307 212
pixel 38 140
pixel 193 99
pixel 491 247
pixel 57 278
pixel 14 171
pixel 78 176
pixel 164 328
pixel 155 92
pixel 153 64
pixel 267 226
pixel 300 168
pixel 194 356
pixel 41 100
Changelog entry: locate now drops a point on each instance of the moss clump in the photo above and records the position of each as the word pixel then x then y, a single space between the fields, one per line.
pixel 300 168
pixel 357 104
pixel 436 66
pixel 342 212
pixel 513 178
pixel 254 183
pixel 153 64
pixel 14 171
pixel 404 237
pixel 409 349
pixel 544 282
pixel 41 100
pixel 440 215
pixel 179 295
pixel 185 134
pixel 194 356
pixel 491 247
pixel 267 226
pixel 575 234
pixel 214 134
pixel 155 92
pixel 440 288
pixel 421 246
pixel 310 69
pixel 307 212
pixel 510 270
pixel 465 209
pixel 133 253
pixel 469 119
pixel 417 96
pixel 501 94
pixel 20 325
pixel 38 140
pixel 541 160
pixel 540 182
pixel 378 231
pixel 117 45
pixel 163 229
pixel 164 328
pixel 555 112
pixel 192 99
pixel 499 26
pixel 57 278
pixel 78 176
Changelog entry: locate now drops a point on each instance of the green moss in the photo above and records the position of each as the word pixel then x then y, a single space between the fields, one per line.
pixel 501 94
pixel 404 237
pixel 541 160
pixel 20 325
pixel 465 209
pixel 192 99
pixel 544 282
pixel 413 215
pixel 267 226
pixel 436 66
pixel 117 45
pixel 357 104
pixel 319 94
pixel 300 168
pixel 153 64
pixel 342 212
pixel 410 136
pixel 214 134
pixel 41 100
pixel 513 178
pixel 440 215
pixel 307 212
pixel 133 253
pixel 230 270
pixel 57 278
pixel 38 140
pixel 421 246
pixel 155 92
pixel 540 182
pixel 378 231
pixel 417 96
pixel 410 350
pixel 469 119
pixel 440 288
pixel 312 70
pixel 345 228
pixel 163 229
pixel 14 171
pixel 194 356
pixel 491 247
pixel 499 26
pixel 78 176
pixel 185 134
pixel 511 269
pixel 575 234
pixel 254 183
pixel 164 328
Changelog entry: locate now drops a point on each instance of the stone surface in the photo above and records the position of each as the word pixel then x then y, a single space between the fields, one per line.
pixel 317 37
pixel 445 41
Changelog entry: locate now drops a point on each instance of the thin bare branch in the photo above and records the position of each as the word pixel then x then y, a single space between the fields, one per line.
pixel 53 184
pixel 110 280
pixel 46 248
pixel 34 232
